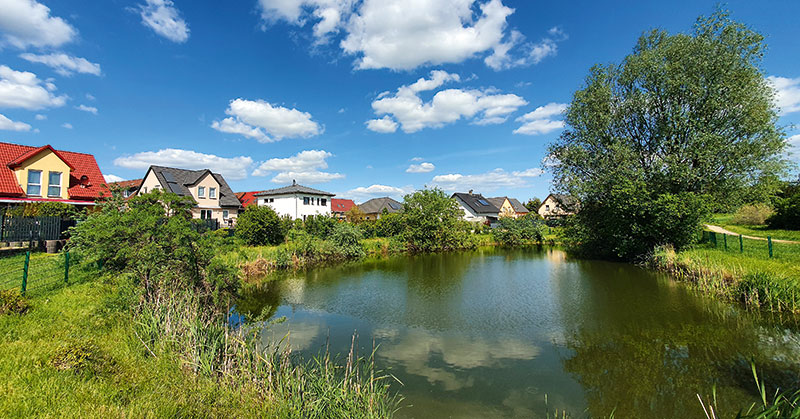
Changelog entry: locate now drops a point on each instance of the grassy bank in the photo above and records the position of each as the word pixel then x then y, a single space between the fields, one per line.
pixel 89 350
pixel 751 276
pixel 724 221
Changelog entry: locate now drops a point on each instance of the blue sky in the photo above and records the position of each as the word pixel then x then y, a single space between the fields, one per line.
pixel 363 98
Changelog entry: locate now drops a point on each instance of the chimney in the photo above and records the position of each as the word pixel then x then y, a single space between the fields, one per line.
pixel 470 191
pixel 294 182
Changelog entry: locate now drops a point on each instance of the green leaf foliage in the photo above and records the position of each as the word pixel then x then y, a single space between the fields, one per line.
pixel 685 124
pixel 260 225
pixel 519 231
pixel 433 222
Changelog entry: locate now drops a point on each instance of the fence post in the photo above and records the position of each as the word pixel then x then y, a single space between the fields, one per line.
pixel 713 236
pixel 769 244
pixel 725 240
pixel 25 272
pixel 741 244
pixel 66 267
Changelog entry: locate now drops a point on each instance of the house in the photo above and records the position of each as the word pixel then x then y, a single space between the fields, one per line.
pixel 213 197
pixel 557 206
pixel 247 198
pixel 44 174
pixel 509 207
pixel 519 208
pixel 373 208
pixel 127 187
pixel 339 207
pixel 476 208
pixel 296 201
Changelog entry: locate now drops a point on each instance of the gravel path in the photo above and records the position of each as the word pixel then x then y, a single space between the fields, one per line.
pixel 718 229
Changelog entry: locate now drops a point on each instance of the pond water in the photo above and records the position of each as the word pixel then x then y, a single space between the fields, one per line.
pixel 493 332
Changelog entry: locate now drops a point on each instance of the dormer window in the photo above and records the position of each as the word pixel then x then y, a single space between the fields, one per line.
pixel 54 184
pixel 35 182
pixel 201 191
pixel 212 193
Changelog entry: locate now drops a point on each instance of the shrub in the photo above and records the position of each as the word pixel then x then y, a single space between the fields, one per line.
pixel 518 231
pixel 320 225
pixel 259 226
pixel 752 214
pixel 11 302
pixel 389 225
pixel 347 240
pixel 433 222
pixel 787 213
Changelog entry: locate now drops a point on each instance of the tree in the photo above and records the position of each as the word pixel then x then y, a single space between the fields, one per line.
pixel 354 215
pixel 259 226
pixel 687 121
pixel 433 222
pixel 533 204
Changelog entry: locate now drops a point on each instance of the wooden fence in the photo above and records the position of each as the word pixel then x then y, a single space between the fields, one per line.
pixel 33 228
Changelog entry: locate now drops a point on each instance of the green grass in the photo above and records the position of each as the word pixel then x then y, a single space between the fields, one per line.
pixel 76 353
pixel 724 221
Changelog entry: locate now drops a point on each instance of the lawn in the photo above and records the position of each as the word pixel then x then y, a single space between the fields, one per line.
pixel 724 221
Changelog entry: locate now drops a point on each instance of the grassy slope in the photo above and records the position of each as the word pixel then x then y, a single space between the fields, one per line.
pixel 724 220
pixel 129 383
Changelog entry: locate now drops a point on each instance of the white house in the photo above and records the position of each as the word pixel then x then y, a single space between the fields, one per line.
pixel 557 206
pixel 477 209
pixel 296 201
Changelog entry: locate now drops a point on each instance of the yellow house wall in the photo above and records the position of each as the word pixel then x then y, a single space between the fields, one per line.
pixel 207 182
pixel 45 161
pixel 507 210
pixel 150 183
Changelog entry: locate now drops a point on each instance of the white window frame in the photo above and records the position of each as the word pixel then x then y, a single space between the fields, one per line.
pixel 225 214
pixel 212 193
pixel 57 185
pixel 39 185
pixel 201 191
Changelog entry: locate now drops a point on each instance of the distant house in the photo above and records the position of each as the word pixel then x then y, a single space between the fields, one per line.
pixel 509 207
pixel 340 206
pixel 477 209
pixel 296 201
pixel 247 198
pixel 557 206
pixel 44 174
pixel 213 197
pixel 127 187
pixel 373 208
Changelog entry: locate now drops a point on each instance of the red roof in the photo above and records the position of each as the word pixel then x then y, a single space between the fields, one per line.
pixel 247 198
pixel 341 205
pixel 81 164
pixel 125 184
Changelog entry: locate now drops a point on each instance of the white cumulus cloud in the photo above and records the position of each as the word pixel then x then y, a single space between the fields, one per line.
pixel 22 89
pixel 304 167
pixel 540 120
pixel 421 168
pixel 90 109
pixel 66 125
pixel 489 181
pixel 266 122
pixel 164 19
pixel 9 125
pixel 64 64
pixel 447 106
pixel 231 168
pixel 383 125
pixel 787 93
pixel 40 117
pixel 362 193
pixel 112 178
pixel 26 23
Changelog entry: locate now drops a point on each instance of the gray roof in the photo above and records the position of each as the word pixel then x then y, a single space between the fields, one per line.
pixel 473 201
pixel 518 206
pixel 497 201
pixel 567 202
pixel 178 181
pixel 377 205
pixel 294 188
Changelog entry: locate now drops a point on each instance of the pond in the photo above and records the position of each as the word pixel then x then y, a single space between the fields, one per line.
pixel 495 333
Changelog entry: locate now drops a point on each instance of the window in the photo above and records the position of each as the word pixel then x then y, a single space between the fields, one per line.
pixel 201 191
pixel 547 207
pixel 54 184
pixel 225 214
pixel 306 200
pixel 126 193
pixel 35 182
pixel 272 200
pixel 144 189
pixel 212 193
pixel 206 214
pixel 325 202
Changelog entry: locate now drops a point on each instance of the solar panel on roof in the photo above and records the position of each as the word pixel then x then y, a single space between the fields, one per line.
pixel 395 206
pixel 168 177
pixel 483 202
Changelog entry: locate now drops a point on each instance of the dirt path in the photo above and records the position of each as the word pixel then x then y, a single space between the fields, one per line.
pixel 718 229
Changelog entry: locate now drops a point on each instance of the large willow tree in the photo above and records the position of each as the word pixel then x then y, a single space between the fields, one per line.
pixel 684 123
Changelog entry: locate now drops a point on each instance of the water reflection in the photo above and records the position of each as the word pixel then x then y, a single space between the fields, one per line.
pixel 488 333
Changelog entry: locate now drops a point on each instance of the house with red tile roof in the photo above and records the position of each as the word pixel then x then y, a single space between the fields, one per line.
pixel 340 206
pixel 247 198
pixel 127 187
pixel 44 174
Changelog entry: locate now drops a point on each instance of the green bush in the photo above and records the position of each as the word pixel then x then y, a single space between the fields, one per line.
pixel 259 226
pixel 320 225
pixel 787 213
pixel 433 222
pixel 11 302
pixel 752 214
pixel 518 231
pixel 347 240
pixel 389 225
